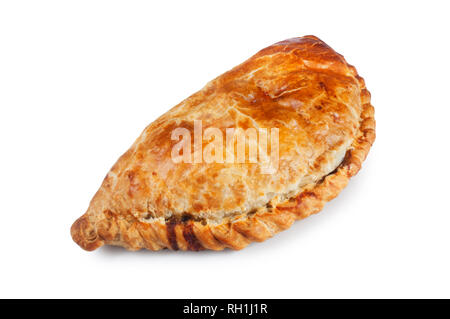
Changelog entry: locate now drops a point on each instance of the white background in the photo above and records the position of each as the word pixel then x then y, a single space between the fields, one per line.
pixel 79 81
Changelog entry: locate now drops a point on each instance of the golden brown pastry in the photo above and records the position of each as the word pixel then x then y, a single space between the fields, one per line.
pixel 326 127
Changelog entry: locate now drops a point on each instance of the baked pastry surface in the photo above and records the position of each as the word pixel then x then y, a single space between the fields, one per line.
pixel 326 125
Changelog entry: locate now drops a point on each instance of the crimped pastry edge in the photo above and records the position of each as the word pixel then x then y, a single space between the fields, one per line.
pixel 236 233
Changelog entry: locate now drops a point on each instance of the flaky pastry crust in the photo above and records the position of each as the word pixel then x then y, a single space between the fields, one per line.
pixel 326 123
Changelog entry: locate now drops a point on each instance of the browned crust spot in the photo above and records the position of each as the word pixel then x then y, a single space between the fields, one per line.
pixel 191 239
pixel 171 235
